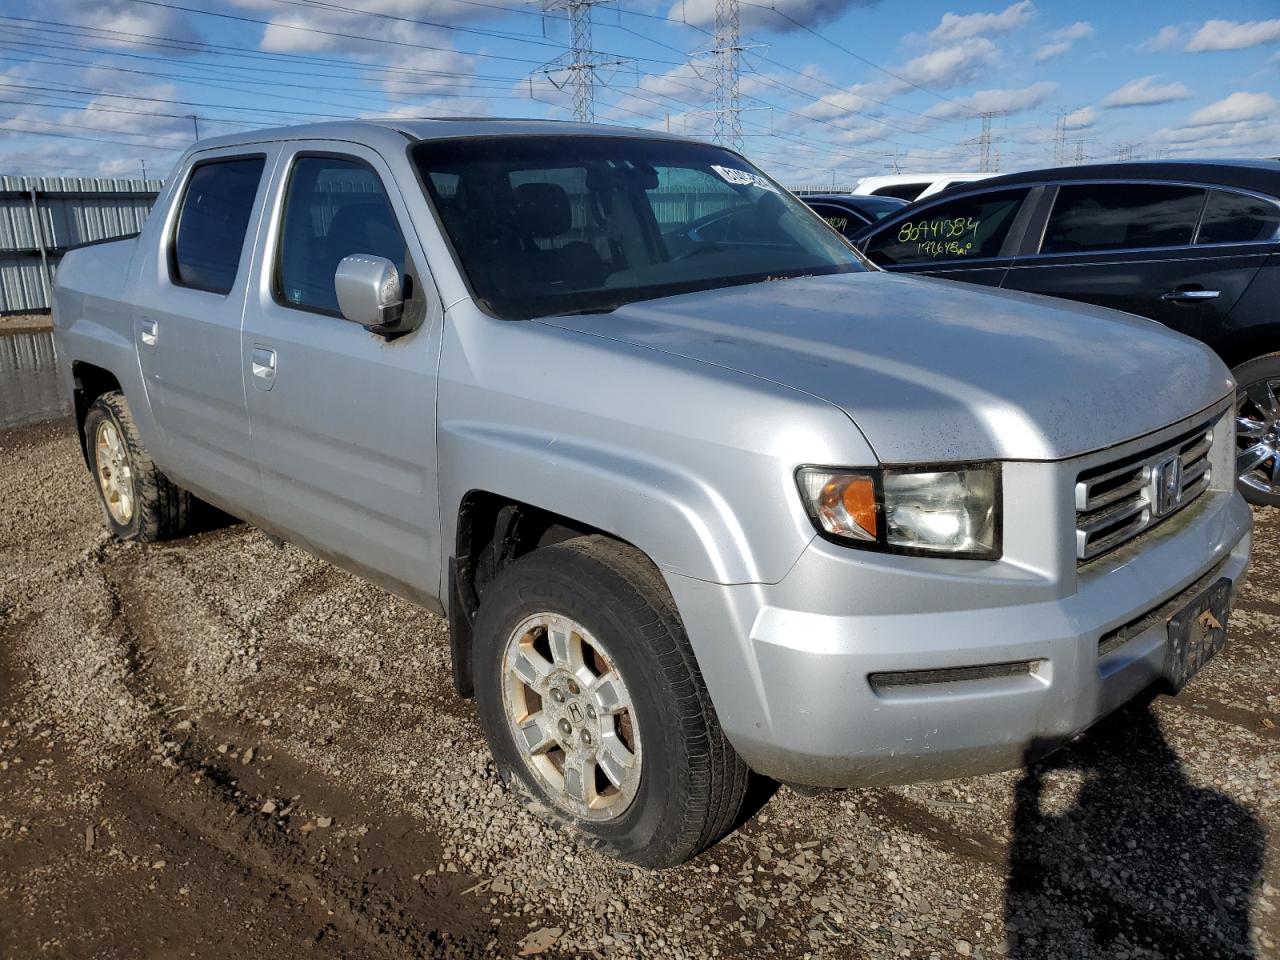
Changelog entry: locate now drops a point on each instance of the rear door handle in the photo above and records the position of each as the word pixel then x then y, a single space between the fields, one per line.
pixel 262 363
pixel 147 332
pixel 1190 295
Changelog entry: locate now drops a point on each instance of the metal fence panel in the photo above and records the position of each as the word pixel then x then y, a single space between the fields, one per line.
pixel 42 217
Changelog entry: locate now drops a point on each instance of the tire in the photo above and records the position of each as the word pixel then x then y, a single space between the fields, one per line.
pixel 689 783
pixel 1258 423
pixel 153 508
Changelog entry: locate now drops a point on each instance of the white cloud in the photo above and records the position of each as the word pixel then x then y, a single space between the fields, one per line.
pixel 1166 38
pixel 1079 119
pixel 1241 105
pixel 129 24
pixel 1237 139
pixel 995 101
pixel 1146 92
pixel 955 26
pixel 1231 35
pixel 949 66
pixel 811 13
pixel 1063 40
pixel 940 69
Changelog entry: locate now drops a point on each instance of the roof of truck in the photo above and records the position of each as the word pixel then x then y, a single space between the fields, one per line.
pixel 424 128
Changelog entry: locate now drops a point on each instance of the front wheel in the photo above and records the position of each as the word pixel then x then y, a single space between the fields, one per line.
pixel 1258 430
pixel 594 707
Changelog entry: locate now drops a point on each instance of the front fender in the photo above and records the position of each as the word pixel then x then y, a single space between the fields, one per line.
pixel 682 522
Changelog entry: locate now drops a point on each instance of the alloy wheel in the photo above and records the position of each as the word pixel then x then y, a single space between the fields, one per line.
pixel 1258 436
pixel 115 476
pixel 572 717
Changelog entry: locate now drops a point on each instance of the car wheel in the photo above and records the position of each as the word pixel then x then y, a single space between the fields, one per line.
pixel 1258 429
pixel 594 707
pixel 138 501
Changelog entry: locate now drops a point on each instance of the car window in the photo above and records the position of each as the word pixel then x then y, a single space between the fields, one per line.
pixel 546 225
pixel 212 223
pixel 901 191
pixel 1116 216
pixel 966 228
pixel 333 208
pixel 844 221
pixel 1237 218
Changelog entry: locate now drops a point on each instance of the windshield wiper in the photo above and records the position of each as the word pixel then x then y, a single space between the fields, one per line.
pixel 587 311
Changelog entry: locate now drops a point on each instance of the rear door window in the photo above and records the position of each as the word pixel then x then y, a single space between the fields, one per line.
pixel 334 207
pixel 1091 217
pixel 213 221
pixel 966 228
pixel 1237 218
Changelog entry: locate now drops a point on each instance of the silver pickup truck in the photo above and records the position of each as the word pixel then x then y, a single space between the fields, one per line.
pixel 700 491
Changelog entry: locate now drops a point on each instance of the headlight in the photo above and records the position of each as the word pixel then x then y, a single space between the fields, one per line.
pixel 951 512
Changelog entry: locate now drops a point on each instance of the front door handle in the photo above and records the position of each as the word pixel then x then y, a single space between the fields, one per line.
pixel 1191 295
pixel 147 333
pixel 262 363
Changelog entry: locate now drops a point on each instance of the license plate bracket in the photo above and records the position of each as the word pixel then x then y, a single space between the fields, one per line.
pixel 1197 633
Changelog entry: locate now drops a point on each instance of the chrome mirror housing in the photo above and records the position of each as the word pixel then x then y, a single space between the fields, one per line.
pixel 370 292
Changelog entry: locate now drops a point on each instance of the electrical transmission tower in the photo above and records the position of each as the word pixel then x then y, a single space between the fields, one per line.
pixel 728 53
pixel 1060 139
pixel 577 66
pixel 988 152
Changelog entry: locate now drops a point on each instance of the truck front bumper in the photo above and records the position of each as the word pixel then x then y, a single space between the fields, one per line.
pixel 866 669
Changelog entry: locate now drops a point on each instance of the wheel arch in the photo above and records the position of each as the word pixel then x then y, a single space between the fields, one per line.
pixel 89 383
pixel 1248 344
pixel 493 530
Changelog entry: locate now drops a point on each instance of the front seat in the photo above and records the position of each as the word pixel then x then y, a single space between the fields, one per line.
pixel 544 213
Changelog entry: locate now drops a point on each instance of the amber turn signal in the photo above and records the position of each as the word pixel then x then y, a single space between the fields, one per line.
pixel 843 503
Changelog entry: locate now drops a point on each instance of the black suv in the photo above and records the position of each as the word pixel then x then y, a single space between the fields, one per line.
pixel 1192 244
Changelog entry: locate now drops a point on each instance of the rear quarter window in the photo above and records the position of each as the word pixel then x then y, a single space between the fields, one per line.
pixel 212 223
pixel 967 228
pixel 843 221
pixel 1237 218
pixel 1117 216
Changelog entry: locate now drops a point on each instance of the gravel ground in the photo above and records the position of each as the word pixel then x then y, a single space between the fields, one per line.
pixel 223 747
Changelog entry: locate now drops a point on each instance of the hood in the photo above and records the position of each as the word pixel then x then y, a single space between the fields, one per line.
pixel 935 370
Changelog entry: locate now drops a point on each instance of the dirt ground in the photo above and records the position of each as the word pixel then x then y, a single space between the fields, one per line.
pixel 221 747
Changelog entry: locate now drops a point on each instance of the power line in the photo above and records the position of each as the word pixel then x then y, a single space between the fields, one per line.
pixel 857 56
pixel 355 36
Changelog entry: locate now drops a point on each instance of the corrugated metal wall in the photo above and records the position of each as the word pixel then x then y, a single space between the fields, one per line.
pixel 54 214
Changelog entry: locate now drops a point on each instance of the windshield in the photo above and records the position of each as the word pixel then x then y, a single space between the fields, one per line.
pixel 570 224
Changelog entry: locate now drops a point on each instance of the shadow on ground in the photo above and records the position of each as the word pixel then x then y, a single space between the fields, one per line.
pixel 1140 862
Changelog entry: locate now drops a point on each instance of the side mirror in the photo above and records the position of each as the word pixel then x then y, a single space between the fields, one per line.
pixel 369 292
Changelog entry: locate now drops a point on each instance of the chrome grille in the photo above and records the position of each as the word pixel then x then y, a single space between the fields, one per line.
pixel 1117 501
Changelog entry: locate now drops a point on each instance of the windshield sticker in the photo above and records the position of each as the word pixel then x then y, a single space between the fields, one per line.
pixel 949 237
pixel 743 178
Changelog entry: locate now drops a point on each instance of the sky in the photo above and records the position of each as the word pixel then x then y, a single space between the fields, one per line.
pixel 830 90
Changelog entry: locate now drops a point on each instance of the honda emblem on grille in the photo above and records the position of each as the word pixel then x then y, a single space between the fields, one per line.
pixel 1166 480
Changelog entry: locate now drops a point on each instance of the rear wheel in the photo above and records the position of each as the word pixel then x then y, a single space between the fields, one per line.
pixel 1258 430
pixel 594 707
pixel 138 501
